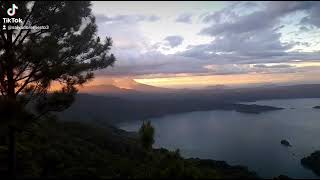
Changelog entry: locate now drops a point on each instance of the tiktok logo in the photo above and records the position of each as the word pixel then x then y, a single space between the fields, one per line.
pixel 12 11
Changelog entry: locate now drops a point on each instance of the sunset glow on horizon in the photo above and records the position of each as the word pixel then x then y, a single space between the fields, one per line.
pixel 229 80
pixel 199 44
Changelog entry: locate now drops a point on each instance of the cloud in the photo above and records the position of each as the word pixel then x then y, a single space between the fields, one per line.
pixel 125 35
pixel 174 41
pixel 249 38
pixel 151 63
pixel 184 18
pixel 126 18
pixel 214 69
pixel 304 29
pixel 313 18
pixel 264 18
pixel 246 36
pixel 272 66
pixel 227 69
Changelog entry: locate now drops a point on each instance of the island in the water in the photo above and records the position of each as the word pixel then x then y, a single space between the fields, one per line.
pixel 285 143
pixel 254 108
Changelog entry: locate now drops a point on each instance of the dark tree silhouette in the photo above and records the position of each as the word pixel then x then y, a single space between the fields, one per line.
pixel 146 134
pixel 31 60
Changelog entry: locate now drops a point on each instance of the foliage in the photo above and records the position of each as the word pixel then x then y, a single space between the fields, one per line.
pixel 70 149
pixel 146 133
pixel 64 56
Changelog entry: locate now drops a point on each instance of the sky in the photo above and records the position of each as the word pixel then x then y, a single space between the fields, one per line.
pixel 196 44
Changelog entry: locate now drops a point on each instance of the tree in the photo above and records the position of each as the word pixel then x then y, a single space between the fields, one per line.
pixel 33 60
pixel 146 134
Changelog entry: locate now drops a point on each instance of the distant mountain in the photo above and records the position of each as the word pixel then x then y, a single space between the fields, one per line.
pixel 124 86
pixel 217 87
pixel 144 87
pixel 260 85
pixel 104 109
pixel 141 106
pixel 105 88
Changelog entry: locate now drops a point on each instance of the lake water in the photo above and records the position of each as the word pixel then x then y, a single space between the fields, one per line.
pixel 252 140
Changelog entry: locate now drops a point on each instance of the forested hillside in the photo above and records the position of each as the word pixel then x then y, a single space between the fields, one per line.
pixel 70 149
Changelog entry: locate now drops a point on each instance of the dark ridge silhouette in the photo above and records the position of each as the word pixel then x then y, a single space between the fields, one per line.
pixel 312 162
pixel 70 149
pixel 114 109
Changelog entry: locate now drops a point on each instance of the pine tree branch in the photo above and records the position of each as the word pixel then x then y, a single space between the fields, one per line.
pixel 22 71
pixel 35 70
pixel 24 37
pixel 2 35
pixel 25 21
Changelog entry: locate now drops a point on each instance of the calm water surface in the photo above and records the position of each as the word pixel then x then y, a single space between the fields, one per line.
pixel 252 140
